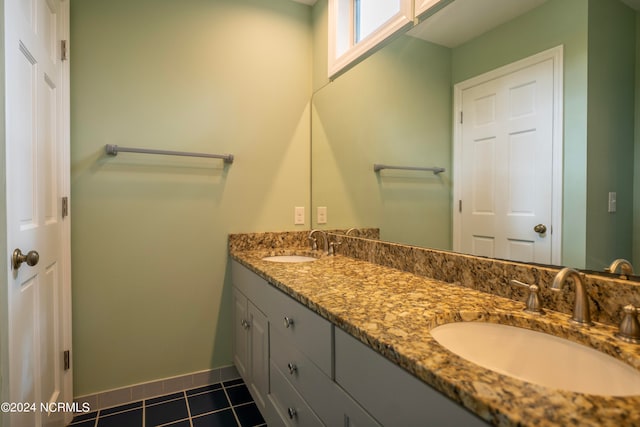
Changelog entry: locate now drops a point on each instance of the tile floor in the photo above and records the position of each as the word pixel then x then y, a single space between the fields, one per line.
pixel 226 404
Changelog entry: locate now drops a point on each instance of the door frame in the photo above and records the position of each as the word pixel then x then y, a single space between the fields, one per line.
pixel 556 55
pixel 64 128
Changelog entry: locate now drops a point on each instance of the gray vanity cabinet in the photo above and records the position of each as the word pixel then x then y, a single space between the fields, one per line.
pixel 302 371
pixel 392 395
pixel 251 347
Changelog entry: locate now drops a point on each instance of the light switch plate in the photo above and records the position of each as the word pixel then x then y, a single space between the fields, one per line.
pixel 613 201
pixel 298 215
pixel 322 214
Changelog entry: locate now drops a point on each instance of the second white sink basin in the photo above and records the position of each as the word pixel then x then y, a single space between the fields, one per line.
pixel 539 358
pixel 289 258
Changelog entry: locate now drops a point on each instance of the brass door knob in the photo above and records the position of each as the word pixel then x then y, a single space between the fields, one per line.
pixel 540 228
pixel 31 258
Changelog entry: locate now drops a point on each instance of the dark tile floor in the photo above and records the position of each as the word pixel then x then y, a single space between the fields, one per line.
pixel 226 404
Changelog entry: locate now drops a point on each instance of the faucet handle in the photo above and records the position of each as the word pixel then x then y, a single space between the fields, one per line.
pixel 333 246
pixel 314 243
pixel 533 300
pixel 629 326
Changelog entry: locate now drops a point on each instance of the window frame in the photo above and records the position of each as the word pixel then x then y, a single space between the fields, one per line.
pixel 341 29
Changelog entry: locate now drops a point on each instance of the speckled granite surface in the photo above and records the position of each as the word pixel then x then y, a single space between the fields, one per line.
pixel 289 239
pixel 607 295
pixel 393 311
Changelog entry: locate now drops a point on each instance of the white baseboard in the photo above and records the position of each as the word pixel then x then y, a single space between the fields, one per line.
pixel 136 392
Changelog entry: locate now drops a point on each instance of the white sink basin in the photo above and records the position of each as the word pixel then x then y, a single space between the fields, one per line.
pixel 539 358
pixel 289 258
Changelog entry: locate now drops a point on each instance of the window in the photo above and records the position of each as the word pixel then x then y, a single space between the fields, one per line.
pixel 358 26
pixel 371 15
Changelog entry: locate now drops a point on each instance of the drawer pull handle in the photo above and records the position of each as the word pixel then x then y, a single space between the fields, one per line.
pixel 288 322
pixel 245 324
pixel 292 412
pixel 292 368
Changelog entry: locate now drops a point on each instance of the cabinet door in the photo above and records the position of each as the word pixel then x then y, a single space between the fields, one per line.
pixel 389 393
pixel 259 355
pixel 347 412
pixel 240 333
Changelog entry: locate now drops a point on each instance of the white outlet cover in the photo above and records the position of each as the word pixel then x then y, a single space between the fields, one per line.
pixel 298 215
pixel 322 214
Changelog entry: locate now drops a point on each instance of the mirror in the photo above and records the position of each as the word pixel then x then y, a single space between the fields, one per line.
pixel 396 108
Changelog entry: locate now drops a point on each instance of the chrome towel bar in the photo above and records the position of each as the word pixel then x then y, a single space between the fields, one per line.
pixel 435 170
pixel 113 150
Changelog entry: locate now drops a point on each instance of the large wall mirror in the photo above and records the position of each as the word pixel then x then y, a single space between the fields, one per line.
pixel 396 107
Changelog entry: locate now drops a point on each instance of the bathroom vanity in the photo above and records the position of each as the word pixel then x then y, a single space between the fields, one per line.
pixel 301 370
pixel 341 341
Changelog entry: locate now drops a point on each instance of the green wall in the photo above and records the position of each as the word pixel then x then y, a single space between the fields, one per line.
pixel 610 131
pixel 393 107
pixel 151 286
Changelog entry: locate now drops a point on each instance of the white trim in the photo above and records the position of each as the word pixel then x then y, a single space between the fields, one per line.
pixel 65 190
pixel 150 389
pixel 422 6
pixel 556 55
pixel 396 23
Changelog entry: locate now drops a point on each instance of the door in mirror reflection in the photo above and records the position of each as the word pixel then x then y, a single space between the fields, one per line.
pixel 506 173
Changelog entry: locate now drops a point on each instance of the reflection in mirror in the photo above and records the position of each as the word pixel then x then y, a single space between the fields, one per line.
pixel 355 28
pixel 396 108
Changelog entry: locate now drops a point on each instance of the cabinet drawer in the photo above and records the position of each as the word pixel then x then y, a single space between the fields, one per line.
pixel 310 382
pixel 291 407
pixel 390 394
pixel 301 327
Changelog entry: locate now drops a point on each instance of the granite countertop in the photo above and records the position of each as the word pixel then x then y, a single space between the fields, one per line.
pixel 393 312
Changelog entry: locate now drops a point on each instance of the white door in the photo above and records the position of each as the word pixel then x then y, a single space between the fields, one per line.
pixel 506 165
pixel 37 179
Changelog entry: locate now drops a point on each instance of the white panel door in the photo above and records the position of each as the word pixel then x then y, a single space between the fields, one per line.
pixel 36 144
pixel 506 166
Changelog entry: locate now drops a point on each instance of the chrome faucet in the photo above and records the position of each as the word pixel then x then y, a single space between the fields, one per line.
pixel 314 240
pixel 581 312
pixel 625 267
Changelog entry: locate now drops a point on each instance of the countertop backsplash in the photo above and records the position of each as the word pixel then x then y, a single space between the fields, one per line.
pixel 607 295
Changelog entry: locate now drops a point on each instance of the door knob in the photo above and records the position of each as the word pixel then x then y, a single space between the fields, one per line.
pixel 540 228
pixel 31 258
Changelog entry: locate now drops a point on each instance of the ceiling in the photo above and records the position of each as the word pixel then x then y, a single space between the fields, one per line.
pixel 464 20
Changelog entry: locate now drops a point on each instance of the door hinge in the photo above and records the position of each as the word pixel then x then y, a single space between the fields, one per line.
pixel 459 205
pixel 63 50
pixel 460 117
pixel 65 206
pixel 67 360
